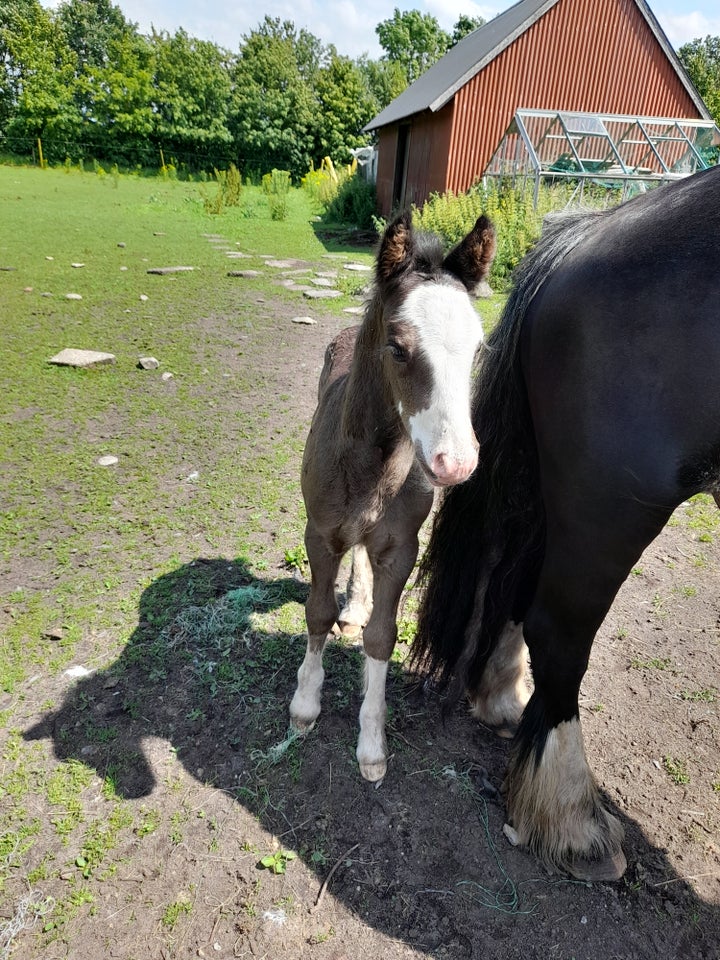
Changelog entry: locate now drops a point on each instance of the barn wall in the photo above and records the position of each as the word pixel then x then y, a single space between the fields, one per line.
pixel 584 55
pixel 427 162
pixel 387 149
pixel 428 157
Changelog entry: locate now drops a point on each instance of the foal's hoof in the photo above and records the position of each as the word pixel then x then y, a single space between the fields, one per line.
pixel 349 630
pixel 301 726
pixel 610 868
pixel 374 772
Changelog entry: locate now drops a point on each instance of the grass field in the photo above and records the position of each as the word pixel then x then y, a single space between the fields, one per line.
pixel 145 808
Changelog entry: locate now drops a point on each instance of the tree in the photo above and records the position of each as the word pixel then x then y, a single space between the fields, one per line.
pixel 36 97
pixel 113 78
pixel 192 95
pixel 273 115
pixel 385 79
pixel 463 26
pixel 412 39
pixel 345 106
pixel 701 59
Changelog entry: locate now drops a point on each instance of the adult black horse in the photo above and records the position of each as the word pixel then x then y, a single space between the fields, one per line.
pixel 598 412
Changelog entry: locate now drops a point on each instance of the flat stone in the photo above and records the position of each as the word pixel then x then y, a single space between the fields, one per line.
pixel 77 265
pixel 237 255
pixel 358 267
pixel 354 310
pixel 322 282
pixel 244 273
pixel 148 363
pixel 162 271
pixel 8 269
pixel 73 296
pixel 72 357
pixel 308 321
pixel 321 294
pixel 107 461
pixel 287 264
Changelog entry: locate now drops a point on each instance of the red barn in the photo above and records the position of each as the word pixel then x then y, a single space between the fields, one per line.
pixel 589 56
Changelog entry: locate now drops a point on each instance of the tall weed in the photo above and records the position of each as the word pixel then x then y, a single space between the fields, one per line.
pixel 276 187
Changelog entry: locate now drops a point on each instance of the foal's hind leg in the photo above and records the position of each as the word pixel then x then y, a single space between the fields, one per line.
pixel 553 801
pixel 358 607
pixel 321 611
pixel 391 568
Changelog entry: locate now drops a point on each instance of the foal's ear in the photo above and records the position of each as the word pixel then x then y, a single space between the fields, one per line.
pixel 397 249
pixel 472 258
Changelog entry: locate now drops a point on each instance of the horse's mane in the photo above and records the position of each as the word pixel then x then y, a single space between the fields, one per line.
pixel 488 535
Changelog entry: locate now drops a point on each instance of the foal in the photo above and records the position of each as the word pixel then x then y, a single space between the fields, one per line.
pixel 392 423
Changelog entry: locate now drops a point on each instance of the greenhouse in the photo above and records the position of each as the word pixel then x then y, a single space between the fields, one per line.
pixel 623 154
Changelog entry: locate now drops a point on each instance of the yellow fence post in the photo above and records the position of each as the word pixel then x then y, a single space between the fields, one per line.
pixel 42 161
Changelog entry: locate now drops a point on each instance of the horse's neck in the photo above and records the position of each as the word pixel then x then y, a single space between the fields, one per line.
pixel 370 416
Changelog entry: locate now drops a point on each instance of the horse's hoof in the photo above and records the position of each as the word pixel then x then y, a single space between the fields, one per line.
pixel 350 630
pixel 301 726
pixel 374 772
pixel 507 730
pixel 611 868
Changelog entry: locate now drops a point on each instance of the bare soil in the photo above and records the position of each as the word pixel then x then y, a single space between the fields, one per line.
pixel 418 867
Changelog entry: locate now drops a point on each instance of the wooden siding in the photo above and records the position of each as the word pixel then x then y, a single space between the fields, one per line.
pixel 584 55
pixel 427 163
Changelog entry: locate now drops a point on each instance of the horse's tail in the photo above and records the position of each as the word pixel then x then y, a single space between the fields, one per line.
pixel 487 543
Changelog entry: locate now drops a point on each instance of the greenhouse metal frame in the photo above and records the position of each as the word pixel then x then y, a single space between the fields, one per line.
pixel 623 154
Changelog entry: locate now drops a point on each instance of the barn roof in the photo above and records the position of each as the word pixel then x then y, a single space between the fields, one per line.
pixel 461 63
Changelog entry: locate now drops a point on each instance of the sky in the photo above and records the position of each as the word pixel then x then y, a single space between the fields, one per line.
pixel 350 24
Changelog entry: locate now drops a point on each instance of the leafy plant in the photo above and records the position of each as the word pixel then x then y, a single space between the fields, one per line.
pixel 296 557
pixel 276 187
pixel 277 862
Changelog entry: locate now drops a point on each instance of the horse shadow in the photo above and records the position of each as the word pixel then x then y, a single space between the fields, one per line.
pixel 210 669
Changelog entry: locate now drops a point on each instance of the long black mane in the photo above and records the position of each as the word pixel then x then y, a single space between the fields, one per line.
pixel 487 540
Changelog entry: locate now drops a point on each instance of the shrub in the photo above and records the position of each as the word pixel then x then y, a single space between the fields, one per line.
pixel 517 221
pixel 354 204
pixel 276 187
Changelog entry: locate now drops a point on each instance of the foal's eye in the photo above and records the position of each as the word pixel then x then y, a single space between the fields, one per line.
pixel 398 353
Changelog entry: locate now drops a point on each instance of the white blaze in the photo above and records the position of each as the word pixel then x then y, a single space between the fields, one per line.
pixel 450 332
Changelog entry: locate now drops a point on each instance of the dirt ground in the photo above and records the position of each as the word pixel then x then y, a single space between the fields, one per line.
pixel 418 867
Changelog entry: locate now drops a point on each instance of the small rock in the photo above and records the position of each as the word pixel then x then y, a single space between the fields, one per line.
pixel 8 269
pixel 144 297
pixel 77 671
pixel 123 268
pixel 511 834
pixel 55 633
pixel 193 477
pixel 354 310
pixel 167 375
pixel 70 357
pixel 237 255
pixel 306 320
pixel 77 265
pixel 107 461
pixel 121 245
pixel 46 294
pixel 27 289
pixel 357 267
pixel 148 363
pixel 73 296
pixel 49 258
pixel 247 274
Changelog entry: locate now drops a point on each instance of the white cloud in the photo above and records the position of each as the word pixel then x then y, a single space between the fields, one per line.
pixel 681 28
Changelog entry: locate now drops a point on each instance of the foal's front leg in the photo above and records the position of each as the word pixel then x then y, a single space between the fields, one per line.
pixel 391 569
pixel 321 610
